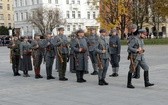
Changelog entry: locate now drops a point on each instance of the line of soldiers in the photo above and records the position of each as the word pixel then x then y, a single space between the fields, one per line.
pixel 102 50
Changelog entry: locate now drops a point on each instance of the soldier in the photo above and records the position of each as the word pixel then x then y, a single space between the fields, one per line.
pixel 49 55
pixel 134 32
pixel 135 47
pixel 37 55
pixel 92 43
pixel 61 43
pixel 81 55
pixel 25 58
pixel 15 54
pixel 115 48
pixel 102 57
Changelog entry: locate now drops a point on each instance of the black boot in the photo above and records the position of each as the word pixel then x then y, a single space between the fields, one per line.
pixel 129 84
pixel 101 82
pixel 81 74
pixel 104 82
pixel 136 74
pixel 94 73
pixel 146 79
pixel 78 77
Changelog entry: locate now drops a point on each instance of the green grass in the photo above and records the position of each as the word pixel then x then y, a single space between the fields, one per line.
pixel 163 41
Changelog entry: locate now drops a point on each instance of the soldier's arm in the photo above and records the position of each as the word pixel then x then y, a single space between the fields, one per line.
pixel 56 41
pixel 131 46
pixel 74 46
pixel 98 50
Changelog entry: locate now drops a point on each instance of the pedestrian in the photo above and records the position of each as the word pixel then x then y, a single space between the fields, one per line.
pixel 92 43
pixel 102 57
pixel 49 55
pixel 25 58
pixel 136 49
pixel 133 33
pixel 115 49
pixel 14 46
pixel 37 54
pixel 80 49
pixel 62 48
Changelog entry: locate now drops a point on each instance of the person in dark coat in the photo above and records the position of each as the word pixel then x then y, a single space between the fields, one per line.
pixel 81 55
pixel 25 58
pixel 14 45
pixel 102 57
pixel 115 48
pixel 62 49
pixel 49 55
pixel 37 54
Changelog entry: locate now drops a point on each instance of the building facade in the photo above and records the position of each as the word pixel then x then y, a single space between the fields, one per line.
pixel 77 13
pixel 6 13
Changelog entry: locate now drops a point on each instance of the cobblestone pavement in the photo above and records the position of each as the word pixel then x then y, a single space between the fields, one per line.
pixel 30 91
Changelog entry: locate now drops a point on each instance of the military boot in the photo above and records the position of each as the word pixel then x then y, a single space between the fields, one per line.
pixel 100 82
pixel 78 76
pixel 146 79
pixel 136 74
pixel 81 74
pixel 129 84
pixel 104 82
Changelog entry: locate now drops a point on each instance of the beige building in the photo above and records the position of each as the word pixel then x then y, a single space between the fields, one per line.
pixel 6 13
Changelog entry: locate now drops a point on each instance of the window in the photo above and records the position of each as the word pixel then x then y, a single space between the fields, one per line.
pixel 80 27
pixel 88 15
pixel 94 15
pixel 2 24
pixel 67 1
pixel 8 6
pixel 21 16
pixel 49 1
pixel 21 2
pixel 17 17
pixel 73 14
pixel 68 16
pixel 68 28
pixel 27 16
pixel 1 17
pixel 74 27
pixel 25 2
pixel 16 3
pixel 37 1
pixel 79 14
pixel 9 24
pixel 9 17
pixel 1 6
pixel 32 2
pixel 73 1
pixel 8 0
pixel 78 1
pixel 56 1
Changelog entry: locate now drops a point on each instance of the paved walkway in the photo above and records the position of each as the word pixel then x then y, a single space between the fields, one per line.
pixel 29 91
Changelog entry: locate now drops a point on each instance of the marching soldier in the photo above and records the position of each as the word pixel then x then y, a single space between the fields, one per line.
pixel 25 58
pixel 134 32
pixel 92 43
pixel 115 48
pixel 102 57
pixel 81 55
pixel 61 43
pixel 135 47
pixel 15 54
pixel 49 55
pixel 37 55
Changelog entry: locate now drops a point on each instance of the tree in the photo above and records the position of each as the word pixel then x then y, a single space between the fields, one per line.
pixel 4 30
pixel 46 19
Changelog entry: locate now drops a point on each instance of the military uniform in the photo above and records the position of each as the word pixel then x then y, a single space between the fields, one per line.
pixel 72 58
pixel 25 62
pixel 92 42
pixel 137 58
pixel 61 43
pixel 15 56
pixel 37 55
pixel 49 56
pixel 80 58
pixel 103 58
pixel 115 48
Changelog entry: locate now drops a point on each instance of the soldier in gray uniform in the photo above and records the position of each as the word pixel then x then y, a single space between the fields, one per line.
pixel 61 43
pixel 37 54
pixel 103 57
pixel 92 43
pixel 134 32
pixel 15 54
pixel 25 57
pixel 115 48
pixel 135 47
pixel 81 55
pixel 49 55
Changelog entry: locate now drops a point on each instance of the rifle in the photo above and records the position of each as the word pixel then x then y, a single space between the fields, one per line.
pixel 59 51
pixel 133 64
